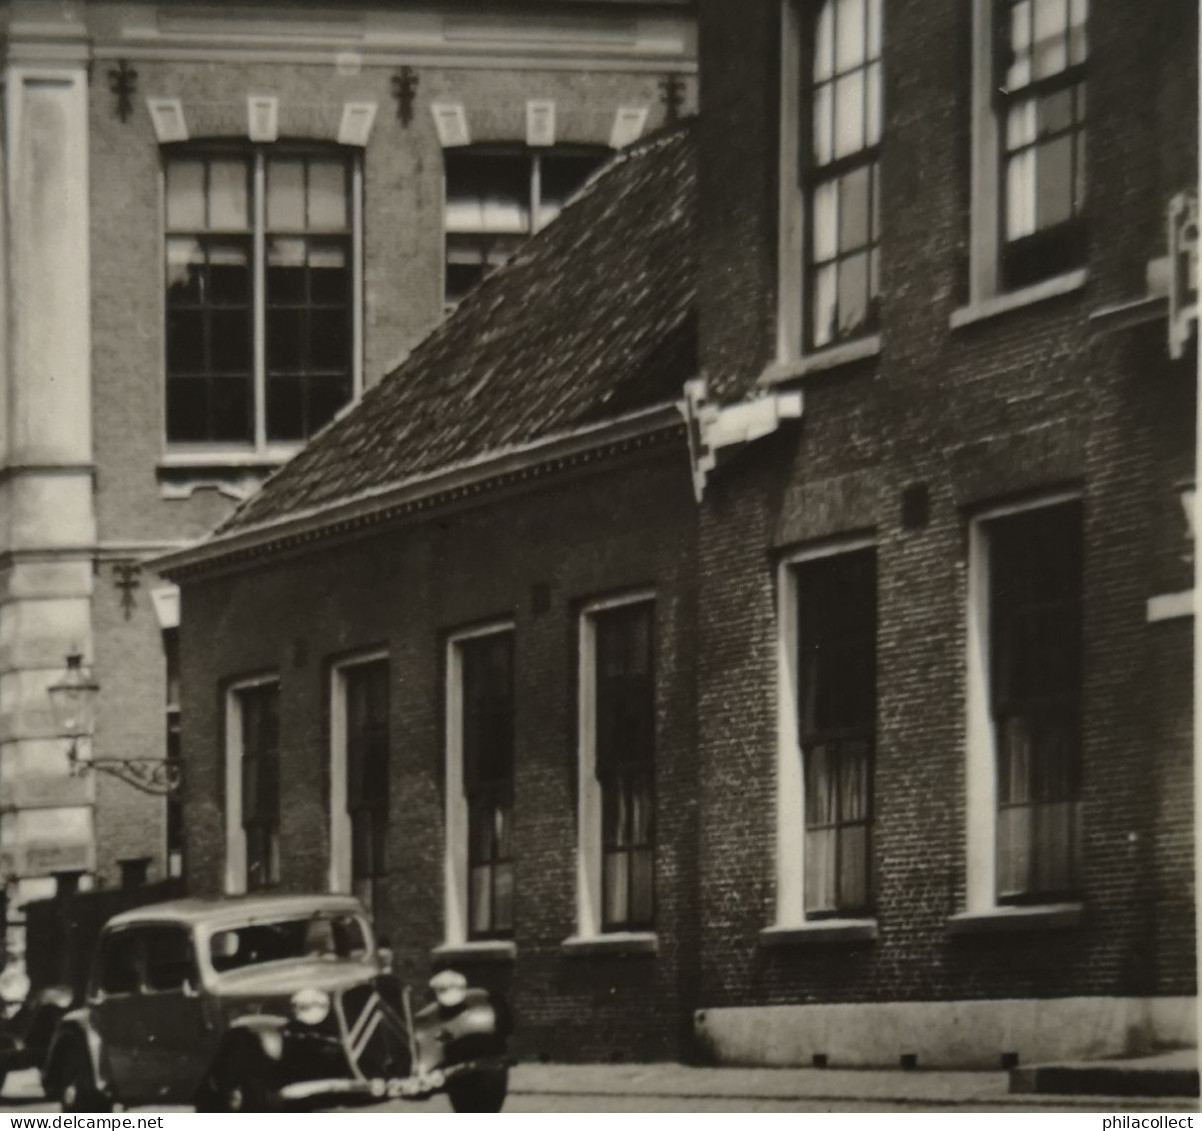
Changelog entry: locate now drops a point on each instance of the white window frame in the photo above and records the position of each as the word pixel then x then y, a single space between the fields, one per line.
pixel 455 854
pixel 790 772
pixel 339 877
pixel 980 774
pixel 792 358
pixel 589 833
pixel 985 293
pixel 235 834
pixel 183 452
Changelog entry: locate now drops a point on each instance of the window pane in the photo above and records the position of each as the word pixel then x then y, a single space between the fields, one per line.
pixel 874 98
pixel 824 42
pixel 820 870
pixel 853 293
pixel 286 194
pixel 185 271
pixel 826 281
pixel 329 274
pixel 1050 46
pixel 185 195
pixel 329 340
pixel 642 887
pixel 854 784
pixel 560 175
pixel 285 408
pixel 617 901
pixel 229 274
pixel 1014 851
pixel 1055 112
pixel 825 222
pixel 120 965
pixel 1019 73
pixel 285 271
pixel 820 786
pixel 1054 171
pixel 1020 195
pixel 851 34
pixel 488 192
pixel 185 342
pixel 480 899
pixel 326 396
pixel 1021 124
pixel 875 18
pixel 285 340
pixel 187 408
pixel 1078 43
pixel 230 406
pixel 229 341
pixel 328 195
pixel 853 867
pixel 824 142
pixel 853 209
pixel 503 898
pixel 228 196
pixel 849 114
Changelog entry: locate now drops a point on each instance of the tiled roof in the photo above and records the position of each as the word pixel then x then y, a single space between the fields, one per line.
pixel 592 319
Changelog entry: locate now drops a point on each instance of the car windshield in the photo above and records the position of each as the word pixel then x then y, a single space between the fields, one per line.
pixel 314 936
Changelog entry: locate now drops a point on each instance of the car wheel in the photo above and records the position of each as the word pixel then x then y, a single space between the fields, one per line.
pixel 480 1091
pixel 77 1084
pixel 238 1086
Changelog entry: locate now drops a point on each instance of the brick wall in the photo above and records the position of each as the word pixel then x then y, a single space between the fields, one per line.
pixel 1038 399
pixel 613 529
pixel 403 253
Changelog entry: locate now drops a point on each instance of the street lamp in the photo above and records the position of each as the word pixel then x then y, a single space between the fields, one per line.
pixel 73 704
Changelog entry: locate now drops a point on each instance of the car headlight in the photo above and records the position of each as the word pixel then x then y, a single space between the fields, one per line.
pixel 450 988
pixel 310 1007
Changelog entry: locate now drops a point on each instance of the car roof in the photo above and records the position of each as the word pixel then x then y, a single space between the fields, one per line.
pixel 227 911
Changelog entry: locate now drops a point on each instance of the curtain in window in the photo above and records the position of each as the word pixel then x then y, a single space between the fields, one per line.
pixel 487 686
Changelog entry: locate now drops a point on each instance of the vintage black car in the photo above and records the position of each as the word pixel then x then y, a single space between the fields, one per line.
pixel 267 1002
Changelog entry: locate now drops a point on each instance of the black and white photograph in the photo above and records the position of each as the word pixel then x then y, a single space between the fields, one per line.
pixel 599 556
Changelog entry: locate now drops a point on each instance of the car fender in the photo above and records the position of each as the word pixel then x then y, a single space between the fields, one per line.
pixel 476 1028
pixel 261 1030
pixel 75 1027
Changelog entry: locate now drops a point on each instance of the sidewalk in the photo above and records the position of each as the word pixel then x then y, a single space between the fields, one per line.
pixel 927 1088
pixel 1172 1073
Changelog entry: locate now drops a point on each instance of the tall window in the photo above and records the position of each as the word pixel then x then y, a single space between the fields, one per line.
pixel 260 726
pixel 1035 566
pixel 842 170
pixel 624 742
pixel 367 758
pixel 487 736
pixel 496 197
pixel 175 808
pixel 1041 104
pixel 836 696
pixel 260 292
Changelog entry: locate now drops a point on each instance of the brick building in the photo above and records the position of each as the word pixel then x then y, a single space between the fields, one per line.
pixel 222 222
pixel 931 608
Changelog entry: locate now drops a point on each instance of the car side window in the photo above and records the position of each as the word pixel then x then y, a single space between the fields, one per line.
pixel 121 963
pixel 169 959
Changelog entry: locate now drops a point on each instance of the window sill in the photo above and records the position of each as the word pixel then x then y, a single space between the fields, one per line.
pixel 485 950
pixel 832 358
pixel 1009 920
pixel 183 460
pixel 818 931
pixel 619 944
pixel 1015 300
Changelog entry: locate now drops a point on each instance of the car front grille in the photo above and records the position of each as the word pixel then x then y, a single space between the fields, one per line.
pixel 375 1036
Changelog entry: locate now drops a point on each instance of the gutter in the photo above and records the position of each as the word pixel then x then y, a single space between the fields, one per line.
pixel 380 503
